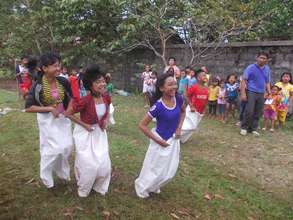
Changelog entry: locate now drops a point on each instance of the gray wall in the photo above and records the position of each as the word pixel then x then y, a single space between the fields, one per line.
pixel 226 59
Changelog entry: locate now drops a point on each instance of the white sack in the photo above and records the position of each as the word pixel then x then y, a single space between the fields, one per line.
pixel 92 160
pixel 190 124
pixel 159 167
pixel 55 147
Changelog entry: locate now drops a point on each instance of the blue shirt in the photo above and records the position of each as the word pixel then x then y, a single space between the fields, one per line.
pixel 183 83
pixel 167 118
pixel 257 78
pixel 232 90
pixel 191 82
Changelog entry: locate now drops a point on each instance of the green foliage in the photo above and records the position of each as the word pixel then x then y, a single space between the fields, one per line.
pixel 279 25
pixel 6 74
pixel 91 29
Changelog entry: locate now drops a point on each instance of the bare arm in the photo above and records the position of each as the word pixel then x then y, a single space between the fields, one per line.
pixel 39 109
pixel 268 88
pixel 182 117
pixel 69 113
pixel 243 85
pixel 75 119
pixel 189 98
pixel 42 109
pixel 143 125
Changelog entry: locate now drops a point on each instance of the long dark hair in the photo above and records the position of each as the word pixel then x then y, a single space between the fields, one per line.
pixel 289 74
pixel 160 82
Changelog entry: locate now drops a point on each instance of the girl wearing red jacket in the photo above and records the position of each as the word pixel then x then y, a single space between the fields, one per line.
pixel 92 162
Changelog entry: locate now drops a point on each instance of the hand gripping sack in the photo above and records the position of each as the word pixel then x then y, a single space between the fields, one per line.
pixel 190 124
pixel 159 167
pixel 92 160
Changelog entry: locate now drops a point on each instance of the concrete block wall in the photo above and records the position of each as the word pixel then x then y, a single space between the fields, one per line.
pixel 228 58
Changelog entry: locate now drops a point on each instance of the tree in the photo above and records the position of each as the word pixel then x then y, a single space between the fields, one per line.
pixel 34 27
pixel 215 23
pixel 149 24
pixel 92 28
pixel 279 25
pixel 87 27
pixel 152 24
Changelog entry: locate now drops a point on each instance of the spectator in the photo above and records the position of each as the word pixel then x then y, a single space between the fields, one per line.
pixel 109 86
pixel 286 92
pixel 145 76
pixel 64 72
pixel 221 101
pixel 183 83
pixel 193 75
pixel 271 107
pixel 172 64
pixel 187 72
pixel 74 84
pixel 20 68
pixel 213 97
pixel 33 68
pixel 256 80
pixel 232 89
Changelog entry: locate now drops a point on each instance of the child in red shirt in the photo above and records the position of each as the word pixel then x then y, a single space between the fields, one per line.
pixel 198 99
pixel 198 94
pixel 26 83
pixel 74 84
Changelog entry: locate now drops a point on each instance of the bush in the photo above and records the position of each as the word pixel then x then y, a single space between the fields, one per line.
pixel 6 74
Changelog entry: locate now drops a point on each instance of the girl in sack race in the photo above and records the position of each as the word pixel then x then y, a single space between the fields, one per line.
pixel 48 97
pixel 162 157
pixel 92 161
pixel 198 100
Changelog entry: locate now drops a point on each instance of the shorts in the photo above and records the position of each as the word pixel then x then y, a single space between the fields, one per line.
pixel 232 100
pixel 222 108
pixel 281 115
pixel 269 114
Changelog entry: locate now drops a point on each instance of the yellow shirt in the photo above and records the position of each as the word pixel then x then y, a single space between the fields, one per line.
pixel 213 93
pixel 286 89
pixel 285 92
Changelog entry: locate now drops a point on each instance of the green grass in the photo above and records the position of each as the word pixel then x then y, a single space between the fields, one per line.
pixel 216 161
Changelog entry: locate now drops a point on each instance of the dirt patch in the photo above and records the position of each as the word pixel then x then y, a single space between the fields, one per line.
pixel 8 84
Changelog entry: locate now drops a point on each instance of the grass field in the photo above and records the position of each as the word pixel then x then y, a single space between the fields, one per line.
pixel 221 174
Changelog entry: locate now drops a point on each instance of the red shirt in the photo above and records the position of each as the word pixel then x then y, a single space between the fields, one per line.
pixel 86 106
pixel 74 87
pixel 26 83
pixel 198 95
